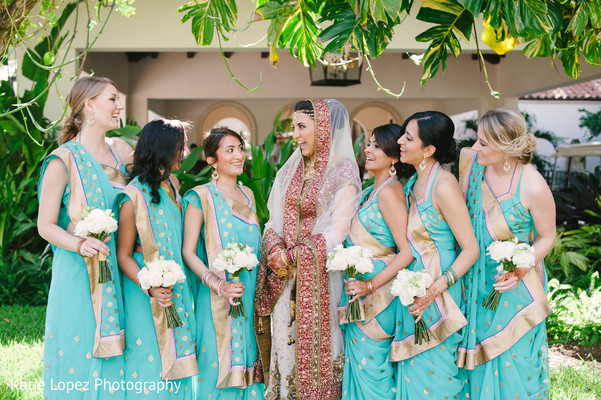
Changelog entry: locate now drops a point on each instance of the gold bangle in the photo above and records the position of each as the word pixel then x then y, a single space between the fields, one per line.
pixel 79 247
pixel 370 287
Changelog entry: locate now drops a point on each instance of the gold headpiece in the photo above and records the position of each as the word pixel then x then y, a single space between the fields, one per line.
pixel 308 113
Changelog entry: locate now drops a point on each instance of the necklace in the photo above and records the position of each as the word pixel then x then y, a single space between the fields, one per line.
pixel 309 170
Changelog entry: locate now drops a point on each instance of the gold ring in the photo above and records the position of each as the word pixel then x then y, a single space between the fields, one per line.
pixel 283 272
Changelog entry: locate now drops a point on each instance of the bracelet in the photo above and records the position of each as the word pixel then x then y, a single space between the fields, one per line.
pixel 290 254
pixel 219 288
pixel 450 276
pixel 431 293
pixel 370 286
pixel 79 247
pixel 284 258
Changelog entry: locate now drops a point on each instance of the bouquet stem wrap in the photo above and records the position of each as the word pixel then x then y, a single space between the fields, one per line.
pixel 173 320
pixel 237 310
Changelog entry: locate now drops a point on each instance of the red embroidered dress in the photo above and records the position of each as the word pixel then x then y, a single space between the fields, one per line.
pixel 304 358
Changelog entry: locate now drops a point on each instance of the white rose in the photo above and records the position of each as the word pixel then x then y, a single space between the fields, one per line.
pixel 353 254
pixel 501 250
pixel 366 253
pixel 220 264
pixel 180 276
pixel 523 257
pixel 240 259
pixel 233 268
pixel 364 266
pixel 155 278
pixel 81 230
pixel 144 278
pixel 251 261
pixel 169 279
pixel 337 263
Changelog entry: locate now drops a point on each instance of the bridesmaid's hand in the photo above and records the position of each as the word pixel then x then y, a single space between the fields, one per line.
pixel 162 295
pixel 231 291
pixel 355 289
pixel 91 246
pixel 509 280
pixel 420 304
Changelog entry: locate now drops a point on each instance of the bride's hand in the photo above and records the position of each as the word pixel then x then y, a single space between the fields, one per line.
pixel 275 260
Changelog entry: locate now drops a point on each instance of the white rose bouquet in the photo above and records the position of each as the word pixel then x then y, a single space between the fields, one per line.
pixel 410 284
pixel 352 260
pixel 235 258
pixel 163 273
pixel 510 254
pixel 99 224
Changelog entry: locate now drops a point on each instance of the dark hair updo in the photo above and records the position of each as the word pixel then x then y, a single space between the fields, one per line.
pixel 159 144
pixel 387 137
pixel 213 139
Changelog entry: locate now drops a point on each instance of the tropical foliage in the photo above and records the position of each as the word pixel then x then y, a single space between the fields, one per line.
pixel 331 31
pixel 591 121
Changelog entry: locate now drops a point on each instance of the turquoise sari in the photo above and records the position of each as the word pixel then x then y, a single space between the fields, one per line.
pixel 505 351
pixel 429 368
pixel 227 348
pixel 159 361
pixel 84 342
pixel 368 372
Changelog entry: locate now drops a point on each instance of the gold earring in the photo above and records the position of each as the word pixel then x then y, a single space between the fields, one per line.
pixel 506 165
pixel 392 171
pixel 215 174
pixel 91 119
pixel 422 165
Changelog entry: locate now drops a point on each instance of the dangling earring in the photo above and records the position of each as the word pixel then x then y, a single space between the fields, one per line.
pixel 215 174
pixel 506 166
pixel 392 171
pixel 91 119
pixel 422 165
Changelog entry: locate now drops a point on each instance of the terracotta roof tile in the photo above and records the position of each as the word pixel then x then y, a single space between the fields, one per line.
pixel 590 90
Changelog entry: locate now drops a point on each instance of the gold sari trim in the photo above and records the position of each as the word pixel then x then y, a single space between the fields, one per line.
pixel 115 345
pixel 377 302
pixel 118 178
pixel 227 377
pixel 452 318
pixel 529 317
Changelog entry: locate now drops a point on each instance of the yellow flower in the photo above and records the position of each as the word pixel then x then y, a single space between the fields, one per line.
pixel 490 37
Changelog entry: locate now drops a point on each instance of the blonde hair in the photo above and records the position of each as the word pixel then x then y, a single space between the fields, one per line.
pixel 507 131
pixel 85 88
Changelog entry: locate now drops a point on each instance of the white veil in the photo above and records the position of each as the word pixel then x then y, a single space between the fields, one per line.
pixel 341 191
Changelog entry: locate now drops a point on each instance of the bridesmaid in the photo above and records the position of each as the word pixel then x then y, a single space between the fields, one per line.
pixel 438 221
pixel 380 225
pixel 505 351
pixel 216 214
pixel 160 360
pixel 84 340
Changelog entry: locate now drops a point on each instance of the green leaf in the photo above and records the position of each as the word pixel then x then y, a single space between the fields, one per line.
pixel 539 47
pixel 474 6
pixel 571 61
pixel 579 21
pixel 527 18
pixel 189 162
pixel 590 47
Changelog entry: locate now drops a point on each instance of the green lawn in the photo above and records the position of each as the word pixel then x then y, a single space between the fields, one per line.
pixel 21 350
